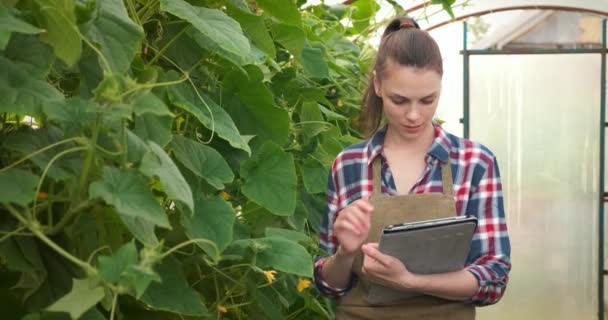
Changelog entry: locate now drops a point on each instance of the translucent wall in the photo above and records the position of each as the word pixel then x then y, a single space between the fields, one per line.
pixel 540 114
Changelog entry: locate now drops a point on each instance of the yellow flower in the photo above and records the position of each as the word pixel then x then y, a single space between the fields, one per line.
pixel 221 309
pixel 270 275
pixel 303 284
pixel 225 195
pixel 340 103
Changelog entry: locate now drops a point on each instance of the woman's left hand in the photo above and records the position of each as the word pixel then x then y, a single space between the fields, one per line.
pixel 386 270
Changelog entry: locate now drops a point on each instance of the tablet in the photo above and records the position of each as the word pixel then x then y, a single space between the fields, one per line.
pixel 425 247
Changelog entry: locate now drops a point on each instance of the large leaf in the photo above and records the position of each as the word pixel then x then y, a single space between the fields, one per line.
pixel 82 298
pixel 270 179
pixel 254 27
pixel 314 175
pixel 17 186
pixel 213 219
pixel 314 63
pixel 36 61
pixel 311 121
pixel 117 35
pixel 280 254
pixel 284 10
pixel 213 24
pixel 173 294
pixel 122 269
pixel 59 20
pixel 72 114
pixel 251 105
pixel 142 230
pixel 9 24
pixel 203 161
pixel 215 118
pixel 21 93
pixel 290 37
pixel 363 11
pixel 150 127
pixel 129 194
pixel 157 163
pixel 148 102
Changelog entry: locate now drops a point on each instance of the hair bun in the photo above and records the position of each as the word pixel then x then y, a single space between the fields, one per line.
pixel 407 24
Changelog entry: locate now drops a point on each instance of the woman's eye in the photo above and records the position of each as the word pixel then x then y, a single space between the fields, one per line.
pixel 398 101
pixel 428 101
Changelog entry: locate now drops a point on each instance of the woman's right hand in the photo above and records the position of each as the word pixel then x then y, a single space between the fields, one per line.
pixel 352 225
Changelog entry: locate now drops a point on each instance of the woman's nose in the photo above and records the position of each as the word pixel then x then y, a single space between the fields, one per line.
pixel 412 114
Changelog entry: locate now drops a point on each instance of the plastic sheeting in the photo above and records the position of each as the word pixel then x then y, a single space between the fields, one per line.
pixel 467 7
pixel 539 114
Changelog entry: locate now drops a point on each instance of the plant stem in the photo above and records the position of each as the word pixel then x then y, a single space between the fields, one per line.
pixel 39 151
pixel 189 242
pixel 163 49
pixel 114 300
pixel 90 155
pixel 46 170
pixel 68 217
pixel 36 231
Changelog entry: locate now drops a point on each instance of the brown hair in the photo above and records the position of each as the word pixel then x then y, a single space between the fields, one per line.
pixel 402 42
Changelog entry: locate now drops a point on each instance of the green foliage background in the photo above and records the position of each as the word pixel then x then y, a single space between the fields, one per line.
pixel 158 156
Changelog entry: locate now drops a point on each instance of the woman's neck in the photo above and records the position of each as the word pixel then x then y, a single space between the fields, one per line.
pixel 394 141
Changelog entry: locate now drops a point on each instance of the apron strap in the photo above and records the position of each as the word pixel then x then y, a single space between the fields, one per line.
pixel 446 177
pixel 377 175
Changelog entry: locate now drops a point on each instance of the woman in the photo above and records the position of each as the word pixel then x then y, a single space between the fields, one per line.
pixel 410 169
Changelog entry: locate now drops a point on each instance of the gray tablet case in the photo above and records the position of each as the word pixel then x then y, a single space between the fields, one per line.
pixel 425 247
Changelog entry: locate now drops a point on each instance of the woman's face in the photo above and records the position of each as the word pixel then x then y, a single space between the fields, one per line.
pixel 409 97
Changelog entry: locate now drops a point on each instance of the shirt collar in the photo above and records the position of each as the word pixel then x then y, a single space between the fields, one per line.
pixel 440 148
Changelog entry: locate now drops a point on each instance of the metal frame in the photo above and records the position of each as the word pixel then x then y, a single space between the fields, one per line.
pixel 603 51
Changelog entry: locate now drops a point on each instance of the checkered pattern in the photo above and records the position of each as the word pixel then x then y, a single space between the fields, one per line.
pixel 477 192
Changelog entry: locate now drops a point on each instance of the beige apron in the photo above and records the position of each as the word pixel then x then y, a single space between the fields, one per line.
pixel 390 210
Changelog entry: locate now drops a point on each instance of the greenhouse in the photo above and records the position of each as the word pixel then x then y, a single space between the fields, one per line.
pixel 169 159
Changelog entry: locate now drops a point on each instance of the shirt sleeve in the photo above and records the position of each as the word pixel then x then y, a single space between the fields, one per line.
pixel 489 259
pixel 327 240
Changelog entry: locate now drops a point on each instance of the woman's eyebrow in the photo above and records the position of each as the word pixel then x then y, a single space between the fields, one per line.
pixel 398 96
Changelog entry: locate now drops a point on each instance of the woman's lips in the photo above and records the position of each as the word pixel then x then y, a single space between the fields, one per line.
pixel 412 129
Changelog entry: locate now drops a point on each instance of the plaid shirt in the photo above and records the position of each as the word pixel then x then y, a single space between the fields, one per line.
pixel 477 192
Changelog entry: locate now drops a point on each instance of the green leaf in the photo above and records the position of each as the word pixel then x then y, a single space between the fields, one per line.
pixel 314 175
pixel 59 20
pixel 173 294
pixel 203 161
pixel 447 5
pixel 270 179
pixel 72 114
pixel 21 93
pixel 314 63
pixel 117 35
pixel 17 186
pixel 280 254
pixel 112 269
pixel 284 10
pixel 142 230
pixel 312 122
pixel 213 24
pixel 129 194
pixel 331 115
pixel 257 115
pixel 36 60
pixel 157 163
pixel 10 24
pixel 213 219
pixel 254 27
pixel 363 12
pixel 123 269
pixel 290 37
pixel 150 103
pixel 287 234
pixel 150 127
pixel 207 112
pixel 82 298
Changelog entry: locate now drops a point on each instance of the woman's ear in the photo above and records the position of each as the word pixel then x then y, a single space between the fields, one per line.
pixel 376 82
